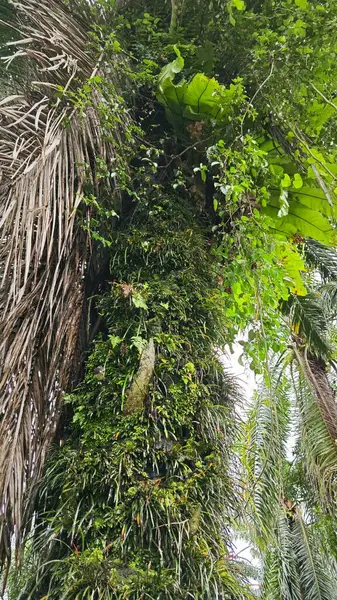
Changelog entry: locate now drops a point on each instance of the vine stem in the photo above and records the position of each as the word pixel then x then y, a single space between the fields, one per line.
pixel 250 105
pixel 176 5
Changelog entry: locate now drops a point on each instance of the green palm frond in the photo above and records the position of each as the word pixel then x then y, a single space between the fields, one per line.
pixel 321 257
pixel 46 154
pixel 317 581
pixel 262 452
pixel 329 297
pixel 295 568
pixel 308 319
pixel 292 553
pixel 317 425
pixel 281 579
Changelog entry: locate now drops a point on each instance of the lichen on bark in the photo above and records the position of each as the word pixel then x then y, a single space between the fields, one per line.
pixel 136 395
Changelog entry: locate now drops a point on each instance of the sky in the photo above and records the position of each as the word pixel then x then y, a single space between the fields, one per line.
pixel 248 383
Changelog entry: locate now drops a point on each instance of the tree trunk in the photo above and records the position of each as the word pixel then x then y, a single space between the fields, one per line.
pixel 134 504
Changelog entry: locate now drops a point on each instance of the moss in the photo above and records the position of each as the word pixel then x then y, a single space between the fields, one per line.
pixel 137 393
pixel 138 499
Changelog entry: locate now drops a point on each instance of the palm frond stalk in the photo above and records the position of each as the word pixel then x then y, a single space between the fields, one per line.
pixel 314 369
pixel 317 445
pixel 315 400
pixel 46 154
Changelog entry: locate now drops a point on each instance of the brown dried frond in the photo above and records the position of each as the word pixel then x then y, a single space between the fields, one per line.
pixel 44 253
pixel 126 289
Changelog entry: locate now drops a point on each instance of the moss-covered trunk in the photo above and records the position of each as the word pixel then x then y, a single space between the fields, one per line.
pixel 137 502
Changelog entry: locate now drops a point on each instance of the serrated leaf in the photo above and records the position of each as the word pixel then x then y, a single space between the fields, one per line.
pixel 139 343
pixel 115 340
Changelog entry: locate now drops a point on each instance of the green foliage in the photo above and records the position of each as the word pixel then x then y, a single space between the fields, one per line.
pixel 295 561
pixel 296 566
pixel 200 99
pixel 309 321
pixel 262 449
pixel 136 502
pixel 321 258
pixel 216 217
pixel 316 444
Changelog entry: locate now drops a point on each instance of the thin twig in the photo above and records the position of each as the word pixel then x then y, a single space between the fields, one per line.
pixel 250 105
pixel 323 96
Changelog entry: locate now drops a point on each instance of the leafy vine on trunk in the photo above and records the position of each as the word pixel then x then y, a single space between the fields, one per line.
pixel 138 500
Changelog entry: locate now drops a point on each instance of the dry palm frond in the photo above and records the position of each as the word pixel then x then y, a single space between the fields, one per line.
pixel 44 253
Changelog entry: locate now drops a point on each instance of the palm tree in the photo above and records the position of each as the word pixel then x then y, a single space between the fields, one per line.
pixel 292 501
pixel 47 151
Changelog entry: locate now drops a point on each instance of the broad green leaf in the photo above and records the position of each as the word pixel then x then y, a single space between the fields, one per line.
pixel 319 114
pixel 139 301
pixel 169 71
pixel 276 170
pixel 303 4
pixel 284 204
pixel 315 199
pixel 172 96
pixel 236 288
pixel 202 97
pixel 238 4
pixel 300 219
pixel 297 181
pixel 286 181
pixel 293 265
pixel 115 340
pixel 300 28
